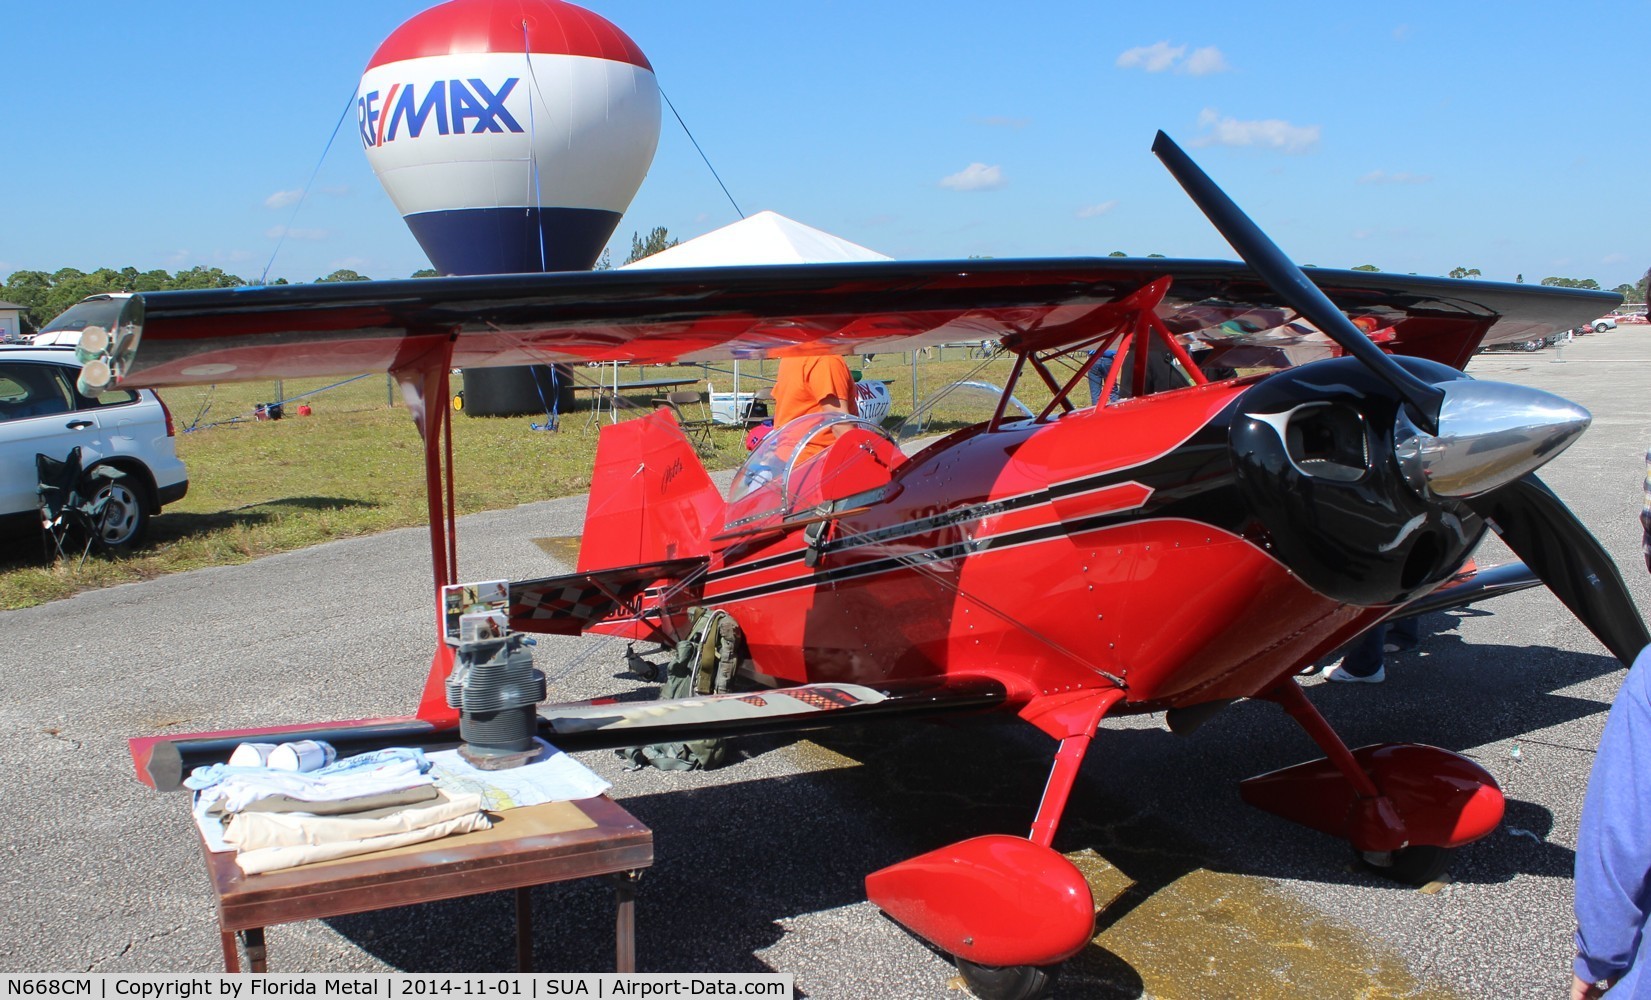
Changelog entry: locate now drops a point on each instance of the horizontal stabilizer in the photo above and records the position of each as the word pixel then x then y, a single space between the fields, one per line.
pixel 568 605
pixel 604 725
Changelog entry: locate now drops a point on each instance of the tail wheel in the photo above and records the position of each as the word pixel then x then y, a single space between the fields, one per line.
pixel 458 400
pixel 1007 982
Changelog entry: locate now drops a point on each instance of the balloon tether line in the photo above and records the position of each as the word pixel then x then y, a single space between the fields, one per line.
pixel 263 279
pixel 701 152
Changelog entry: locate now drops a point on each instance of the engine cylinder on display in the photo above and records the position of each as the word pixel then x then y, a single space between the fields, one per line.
pixel 495 688
pixel 511 134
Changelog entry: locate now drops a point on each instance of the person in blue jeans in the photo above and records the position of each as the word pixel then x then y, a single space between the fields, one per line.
pixel 1363 662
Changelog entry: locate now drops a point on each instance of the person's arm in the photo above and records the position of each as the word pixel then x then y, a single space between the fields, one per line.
pixel 1613 854
pixel 833 386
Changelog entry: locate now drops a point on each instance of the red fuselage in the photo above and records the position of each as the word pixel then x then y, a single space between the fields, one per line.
pixel 1105 548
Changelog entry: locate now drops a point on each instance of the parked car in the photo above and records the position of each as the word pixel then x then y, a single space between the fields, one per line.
pixel 1534 344
pixel 41 412
pixel 93 310
pixel 1603 323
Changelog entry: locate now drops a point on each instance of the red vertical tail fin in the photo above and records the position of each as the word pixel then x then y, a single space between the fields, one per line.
pixel 650 497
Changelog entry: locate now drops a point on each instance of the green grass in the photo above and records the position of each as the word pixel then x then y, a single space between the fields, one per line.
pixel 356 467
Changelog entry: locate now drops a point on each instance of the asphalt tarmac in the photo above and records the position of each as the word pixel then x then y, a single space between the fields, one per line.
pixel 760 864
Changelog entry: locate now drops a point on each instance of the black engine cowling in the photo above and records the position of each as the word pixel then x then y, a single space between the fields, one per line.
pixel 1313 453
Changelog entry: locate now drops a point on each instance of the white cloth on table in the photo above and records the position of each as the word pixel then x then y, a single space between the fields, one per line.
pixel 252 831
pixel 271 859
pixel 237 792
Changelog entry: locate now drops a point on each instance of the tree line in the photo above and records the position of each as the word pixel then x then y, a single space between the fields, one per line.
pixel 43 295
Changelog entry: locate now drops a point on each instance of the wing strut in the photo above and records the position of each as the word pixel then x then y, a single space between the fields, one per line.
pixel 426 387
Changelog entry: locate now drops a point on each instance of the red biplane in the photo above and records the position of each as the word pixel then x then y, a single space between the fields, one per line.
pixel 1199 537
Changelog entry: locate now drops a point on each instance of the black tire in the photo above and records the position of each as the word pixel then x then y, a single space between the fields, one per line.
pixel 1007 982
pixel 125 514
pixel 1600 328
pixel 1530 345
pixel 1414 866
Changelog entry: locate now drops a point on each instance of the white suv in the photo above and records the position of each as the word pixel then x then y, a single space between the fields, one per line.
pixel 41 412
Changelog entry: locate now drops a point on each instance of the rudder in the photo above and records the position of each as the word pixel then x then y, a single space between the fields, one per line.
pixel 651 499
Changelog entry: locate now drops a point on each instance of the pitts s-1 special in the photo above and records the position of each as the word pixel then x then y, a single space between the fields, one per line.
pixel 1220 519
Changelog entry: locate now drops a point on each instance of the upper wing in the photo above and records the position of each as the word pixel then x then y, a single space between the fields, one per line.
pixel 704 314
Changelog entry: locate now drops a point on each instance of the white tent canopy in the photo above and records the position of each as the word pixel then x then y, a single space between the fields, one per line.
pixel 764 238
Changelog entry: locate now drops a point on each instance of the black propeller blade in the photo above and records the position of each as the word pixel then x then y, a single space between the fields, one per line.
pixel 1284 277
pixel 1542 531
pixel 1529 517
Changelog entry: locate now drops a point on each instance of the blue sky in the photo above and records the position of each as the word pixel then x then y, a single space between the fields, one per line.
pixel 1510 137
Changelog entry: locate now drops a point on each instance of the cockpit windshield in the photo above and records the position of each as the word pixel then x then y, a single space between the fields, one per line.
pixel 814 459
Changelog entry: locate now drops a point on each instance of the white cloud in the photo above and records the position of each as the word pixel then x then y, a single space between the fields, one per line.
pixel 974 177
pixel 336 190
pixel 283 199
pixel 1154 58
pixel 1159 56
pixel 296 233
pixel 1363 234
pixel 1092 211
pixel 1401 33
pixel 1613 258
pixel 1397 177
pixel 1204 61
pixel 177 257
pixel 1269 133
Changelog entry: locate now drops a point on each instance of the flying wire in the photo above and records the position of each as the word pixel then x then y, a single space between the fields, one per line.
pixel 264 278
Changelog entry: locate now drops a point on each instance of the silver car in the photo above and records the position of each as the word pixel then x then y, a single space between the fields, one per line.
pixel 41 412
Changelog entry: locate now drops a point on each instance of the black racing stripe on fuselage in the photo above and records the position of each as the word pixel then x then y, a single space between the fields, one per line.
pixel 1193 482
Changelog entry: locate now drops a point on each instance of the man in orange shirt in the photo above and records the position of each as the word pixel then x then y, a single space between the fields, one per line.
pixel 812 385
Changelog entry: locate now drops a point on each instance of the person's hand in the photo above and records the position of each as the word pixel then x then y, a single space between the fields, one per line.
pixel 1586 991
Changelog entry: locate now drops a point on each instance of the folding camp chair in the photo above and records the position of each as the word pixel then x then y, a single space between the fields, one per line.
pixel 70 502
pixel 691 414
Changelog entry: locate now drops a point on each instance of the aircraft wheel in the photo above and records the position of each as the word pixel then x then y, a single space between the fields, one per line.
pixel 458 400
pixel 1007 982
pixel 1416 866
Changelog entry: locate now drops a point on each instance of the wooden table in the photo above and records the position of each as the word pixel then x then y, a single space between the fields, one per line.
pixel 526 847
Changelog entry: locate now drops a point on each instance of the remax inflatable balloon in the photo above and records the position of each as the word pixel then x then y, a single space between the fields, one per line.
pixel 511 134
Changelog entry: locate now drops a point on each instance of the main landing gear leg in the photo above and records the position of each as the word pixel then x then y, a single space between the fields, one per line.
pixel 1008 909
pixel 1403 807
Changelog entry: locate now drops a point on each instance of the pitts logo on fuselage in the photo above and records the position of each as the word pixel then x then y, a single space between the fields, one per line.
pixel 454 104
